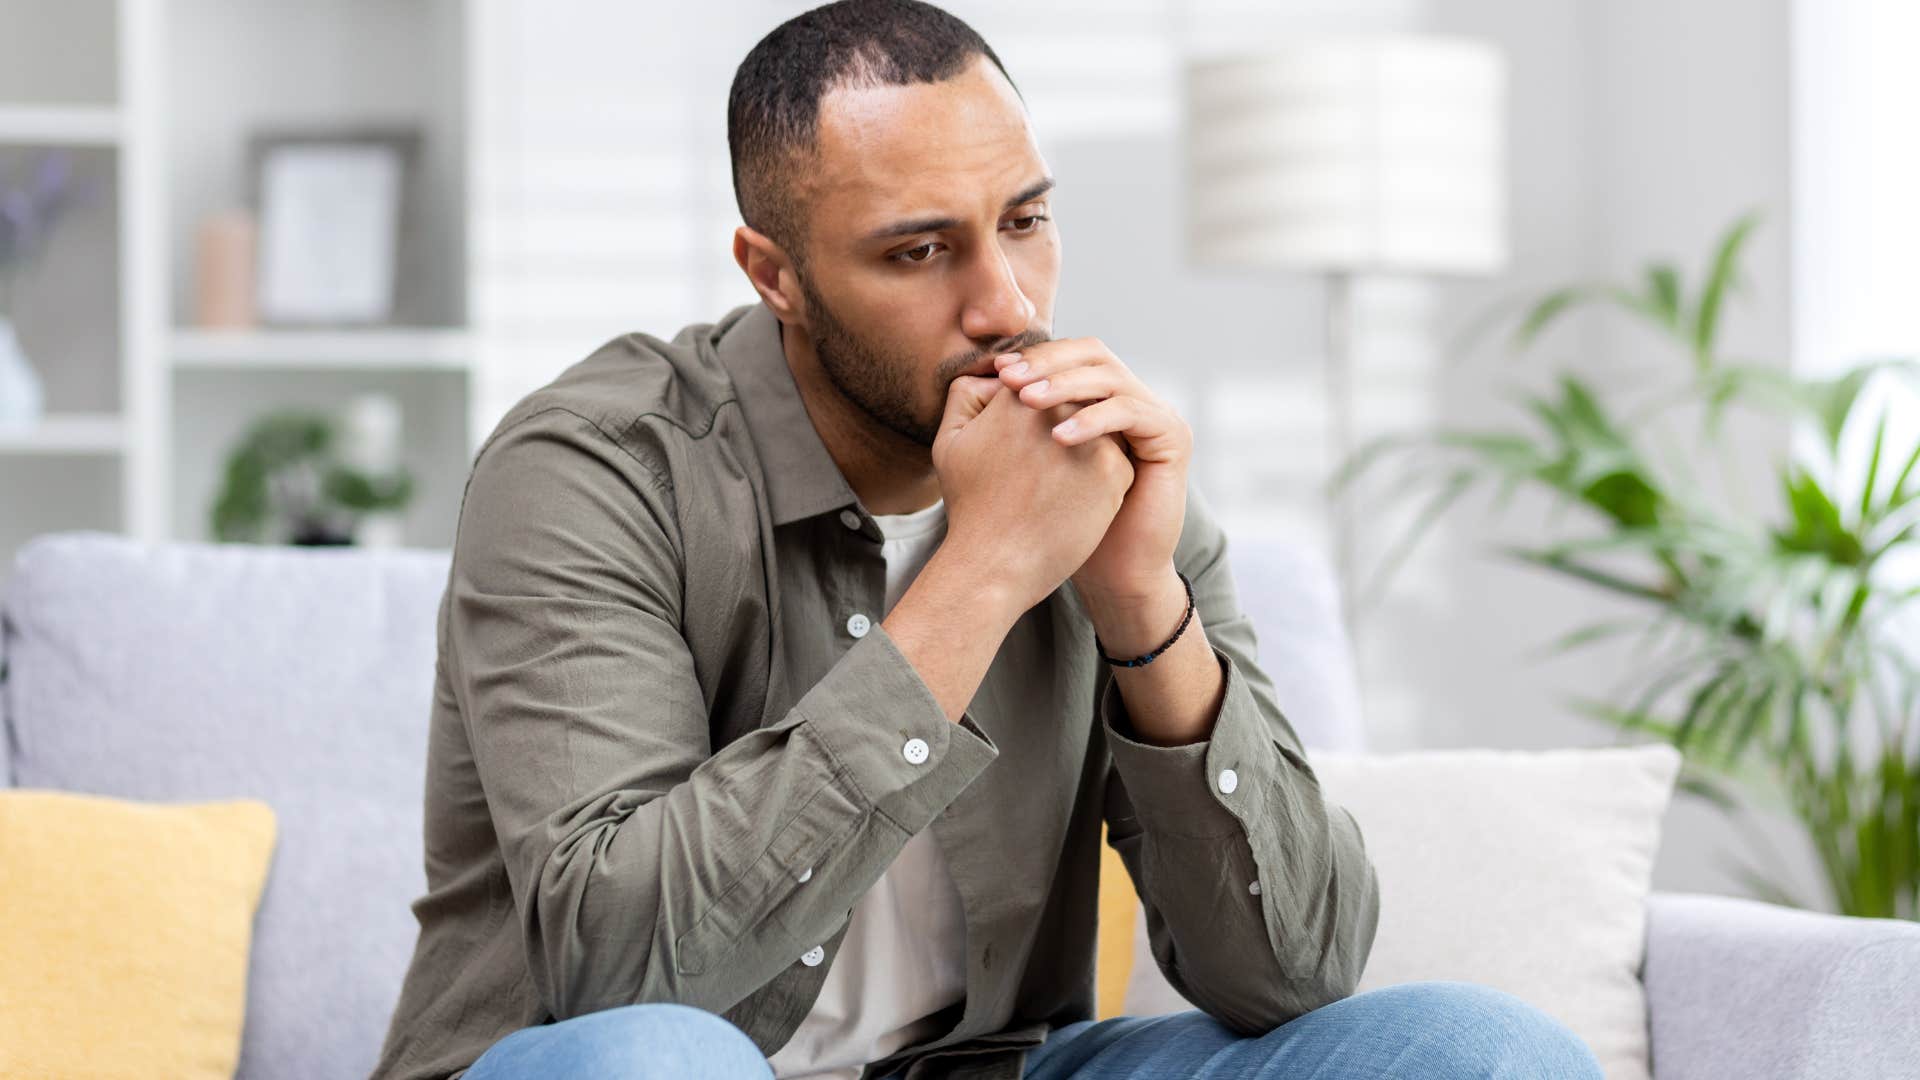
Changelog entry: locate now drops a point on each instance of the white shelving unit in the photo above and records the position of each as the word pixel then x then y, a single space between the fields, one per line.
pixel 161 98
pixel 68 433
pixel 57 125
pixel 321 350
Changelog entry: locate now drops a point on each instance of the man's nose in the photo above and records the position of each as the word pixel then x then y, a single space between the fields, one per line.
pixel 997 309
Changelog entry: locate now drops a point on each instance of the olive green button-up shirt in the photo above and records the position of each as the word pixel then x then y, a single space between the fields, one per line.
pixel 672 745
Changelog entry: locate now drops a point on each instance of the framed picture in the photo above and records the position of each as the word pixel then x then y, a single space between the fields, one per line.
pixel 330 208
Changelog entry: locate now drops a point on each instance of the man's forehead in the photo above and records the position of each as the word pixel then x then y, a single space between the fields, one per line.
pixel 885 149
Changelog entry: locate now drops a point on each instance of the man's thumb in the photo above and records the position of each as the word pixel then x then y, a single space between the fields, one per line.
pixel 966 396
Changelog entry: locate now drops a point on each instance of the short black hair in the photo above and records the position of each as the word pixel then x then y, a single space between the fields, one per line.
pixel 773 109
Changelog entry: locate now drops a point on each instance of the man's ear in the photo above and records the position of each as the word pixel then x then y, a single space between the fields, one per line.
pixel 770 269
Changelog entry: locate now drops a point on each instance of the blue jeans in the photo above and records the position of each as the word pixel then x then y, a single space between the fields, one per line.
pixel 1431 1030
pixel 633 1042
pixel 1427 1030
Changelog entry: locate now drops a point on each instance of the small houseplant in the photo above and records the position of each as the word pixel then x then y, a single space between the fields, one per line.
pixel 1774 637
pixel 286 482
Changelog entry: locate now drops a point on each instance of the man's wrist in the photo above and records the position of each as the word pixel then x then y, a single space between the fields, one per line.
pixel 979 587
pixel 1134 621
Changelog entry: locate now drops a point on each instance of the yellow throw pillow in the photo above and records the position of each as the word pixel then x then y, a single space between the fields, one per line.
pixel 124 933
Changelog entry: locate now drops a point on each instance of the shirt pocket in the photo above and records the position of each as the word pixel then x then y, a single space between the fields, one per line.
pixel 790 862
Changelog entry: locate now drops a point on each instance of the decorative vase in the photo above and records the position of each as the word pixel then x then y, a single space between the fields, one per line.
pixel 21 394
pixel 369 441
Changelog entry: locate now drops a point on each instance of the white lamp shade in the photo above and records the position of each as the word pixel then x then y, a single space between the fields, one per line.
pixel 1350 154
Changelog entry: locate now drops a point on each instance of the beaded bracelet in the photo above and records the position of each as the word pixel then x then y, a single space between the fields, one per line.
pixel 1147 658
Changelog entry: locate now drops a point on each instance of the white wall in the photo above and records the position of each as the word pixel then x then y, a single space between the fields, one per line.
pixel 1856 157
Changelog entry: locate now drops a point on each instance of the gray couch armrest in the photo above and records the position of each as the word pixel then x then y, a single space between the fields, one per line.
pixel 1740 988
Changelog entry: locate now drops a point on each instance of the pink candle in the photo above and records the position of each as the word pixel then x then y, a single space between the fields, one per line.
pixel 225 270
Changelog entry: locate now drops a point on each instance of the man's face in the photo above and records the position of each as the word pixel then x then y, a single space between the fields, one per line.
pixel 929 241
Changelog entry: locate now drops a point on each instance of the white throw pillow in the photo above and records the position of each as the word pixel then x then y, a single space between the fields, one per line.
pixel 1527 871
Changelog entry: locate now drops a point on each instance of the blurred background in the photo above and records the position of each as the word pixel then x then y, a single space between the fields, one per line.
pixel 270 272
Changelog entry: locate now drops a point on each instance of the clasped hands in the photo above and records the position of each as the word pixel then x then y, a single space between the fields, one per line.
pixel 1066 456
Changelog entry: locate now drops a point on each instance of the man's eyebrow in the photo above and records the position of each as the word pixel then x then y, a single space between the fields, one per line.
pixel 920 225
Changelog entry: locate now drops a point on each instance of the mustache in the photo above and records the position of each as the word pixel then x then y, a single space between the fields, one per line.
pixel 956 366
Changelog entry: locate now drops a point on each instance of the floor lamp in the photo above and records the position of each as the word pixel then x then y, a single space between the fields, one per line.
pixel 1346 156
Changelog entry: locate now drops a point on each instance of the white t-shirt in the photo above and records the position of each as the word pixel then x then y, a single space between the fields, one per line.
pixel 904 956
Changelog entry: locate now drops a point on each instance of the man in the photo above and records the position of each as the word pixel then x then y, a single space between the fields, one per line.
pixel 772 733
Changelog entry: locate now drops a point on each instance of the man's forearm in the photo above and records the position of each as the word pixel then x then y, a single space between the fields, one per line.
pixel 950 624
pixel 1175 699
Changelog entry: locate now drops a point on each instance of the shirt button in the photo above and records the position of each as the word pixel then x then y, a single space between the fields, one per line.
pixel 858 625
pixel 1228 781
pixel 1253 888
pixel 813 956
pixel 850 519
pixel 807 875
pixel 915 751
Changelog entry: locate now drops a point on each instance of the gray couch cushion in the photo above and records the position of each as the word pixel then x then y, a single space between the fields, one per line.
pixel 1739 988
pixel 298 676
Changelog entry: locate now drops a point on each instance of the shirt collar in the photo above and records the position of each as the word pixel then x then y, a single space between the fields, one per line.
pixel 802 479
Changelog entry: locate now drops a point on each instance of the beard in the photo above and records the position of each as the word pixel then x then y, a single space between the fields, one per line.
pixel 880 382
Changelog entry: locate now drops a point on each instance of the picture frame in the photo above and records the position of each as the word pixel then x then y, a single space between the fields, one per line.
pixel 332 208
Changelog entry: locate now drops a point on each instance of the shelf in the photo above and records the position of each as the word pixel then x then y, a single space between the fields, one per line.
pixel 71 125
pixel 394 349
pixel 66 433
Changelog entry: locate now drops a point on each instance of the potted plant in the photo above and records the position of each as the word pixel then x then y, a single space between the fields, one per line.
pixel 289 480
pixel 1775 638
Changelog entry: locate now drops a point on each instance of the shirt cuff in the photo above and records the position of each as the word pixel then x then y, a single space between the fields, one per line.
pixel 888 733
pixel 1203 790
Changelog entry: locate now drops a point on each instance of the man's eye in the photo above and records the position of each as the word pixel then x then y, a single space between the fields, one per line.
pixel 915 255
pixel 1028 223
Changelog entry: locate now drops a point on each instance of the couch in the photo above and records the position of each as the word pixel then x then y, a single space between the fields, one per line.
pixel 302 676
